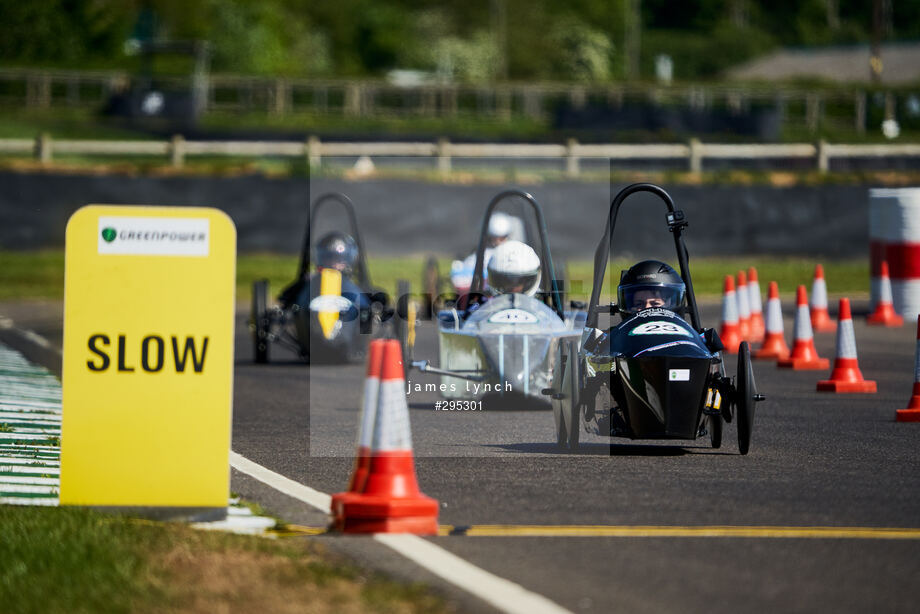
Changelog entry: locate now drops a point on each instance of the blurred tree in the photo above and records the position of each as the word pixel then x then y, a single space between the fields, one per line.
pixel 63 32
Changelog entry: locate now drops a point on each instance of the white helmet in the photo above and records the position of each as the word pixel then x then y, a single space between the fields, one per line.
pixel 514 267
pixel 499 225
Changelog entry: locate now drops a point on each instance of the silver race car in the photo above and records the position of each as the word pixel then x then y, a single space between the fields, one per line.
pixel 503 345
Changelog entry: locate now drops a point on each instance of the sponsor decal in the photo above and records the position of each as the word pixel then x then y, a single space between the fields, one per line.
pixel 330 302
pixel 660 328
pixel 654 312
pixel 154 236
pixel 513 316
pixel 679 375
pixel 665 346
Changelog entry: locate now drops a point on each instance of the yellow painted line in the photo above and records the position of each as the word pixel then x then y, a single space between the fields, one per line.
pixel 293 530
pixel 683 531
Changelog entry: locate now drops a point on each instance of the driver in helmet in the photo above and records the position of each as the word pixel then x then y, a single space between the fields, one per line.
pixel 514 268
pixel 337 250
pixel 499 230
pixel 651 284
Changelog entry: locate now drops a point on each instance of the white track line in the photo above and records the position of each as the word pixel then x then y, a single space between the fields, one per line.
pixel 494 590
pixel 315 498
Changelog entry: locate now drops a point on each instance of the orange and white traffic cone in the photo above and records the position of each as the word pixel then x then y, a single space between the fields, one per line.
pixel 729 332
pixel 804 356
pixel 366 426
pixel 884 314
pixel 774 344
pixel 758 327
pixel 744 307
pixel 389 501
pixel 821 321
pixel 846 376
pixel 912 413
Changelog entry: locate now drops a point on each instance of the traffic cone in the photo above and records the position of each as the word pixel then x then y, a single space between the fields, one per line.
pixel 821 321
pixel 758 327
pixel 729 333
pixel 774 344
pixel 744 307
pixel 846 376
pixel 366 426
pixel 804 356
pixel 912 413
pixel 389 500
pixel 884 314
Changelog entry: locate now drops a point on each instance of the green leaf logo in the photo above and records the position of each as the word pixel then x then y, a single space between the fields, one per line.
pixel 109 234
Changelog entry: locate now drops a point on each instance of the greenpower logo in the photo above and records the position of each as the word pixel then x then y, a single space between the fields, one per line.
pixel 109 234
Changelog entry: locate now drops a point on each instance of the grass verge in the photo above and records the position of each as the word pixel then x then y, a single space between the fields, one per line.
pixel 40 274
pixel 75 561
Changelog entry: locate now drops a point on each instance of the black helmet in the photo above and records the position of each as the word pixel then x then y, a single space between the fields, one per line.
pixel 337 250
pixel 650 283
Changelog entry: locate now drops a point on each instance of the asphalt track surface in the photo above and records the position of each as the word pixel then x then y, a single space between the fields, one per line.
pixel 817 460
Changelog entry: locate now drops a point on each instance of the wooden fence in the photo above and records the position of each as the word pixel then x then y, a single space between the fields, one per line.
pixel 443 152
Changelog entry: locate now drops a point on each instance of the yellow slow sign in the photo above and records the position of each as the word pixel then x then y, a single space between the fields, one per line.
pixel 148 357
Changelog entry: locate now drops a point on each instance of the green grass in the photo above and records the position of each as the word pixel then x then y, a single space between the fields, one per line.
pixel 40 274
pixel 73 560
pixel 62 123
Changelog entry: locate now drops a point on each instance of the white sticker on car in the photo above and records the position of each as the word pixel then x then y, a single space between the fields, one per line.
pixel 660 328
pixel 330 303
pixel 513 316
pixel 679 375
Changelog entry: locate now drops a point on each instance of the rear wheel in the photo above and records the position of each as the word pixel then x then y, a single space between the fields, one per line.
pixel 260 320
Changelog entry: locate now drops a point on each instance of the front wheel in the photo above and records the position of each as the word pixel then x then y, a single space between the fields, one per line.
pixel 260 321
pixel 715 431
pixel 575 398
pixel 745 397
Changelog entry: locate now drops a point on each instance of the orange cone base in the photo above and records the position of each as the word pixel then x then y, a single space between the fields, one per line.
pixel 804 364
pixel 370 506
pixel 775 349
pixel 885 315
pixel 909 415
pixel 837 386
pixel 409 524
pixel 359 513
pixel 821 322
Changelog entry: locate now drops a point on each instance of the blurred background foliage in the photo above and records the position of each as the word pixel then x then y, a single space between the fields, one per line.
pixel 456 40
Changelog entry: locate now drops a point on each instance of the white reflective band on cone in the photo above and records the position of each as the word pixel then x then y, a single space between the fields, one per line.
pixel 391 430
pixel 744 303
pixel 371 391
pixel 819 294
pixel 754 297
pixel 803 323
pixel 775 316
pixel 846 339
pixel 729 307
pixel 905 296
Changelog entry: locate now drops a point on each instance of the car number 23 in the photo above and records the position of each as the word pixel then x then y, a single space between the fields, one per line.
pixel 659 328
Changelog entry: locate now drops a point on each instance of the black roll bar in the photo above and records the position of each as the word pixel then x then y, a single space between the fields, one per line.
pixel 676 223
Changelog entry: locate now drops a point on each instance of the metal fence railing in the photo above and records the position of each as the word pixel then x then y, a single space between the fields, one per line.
pixel 692 155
